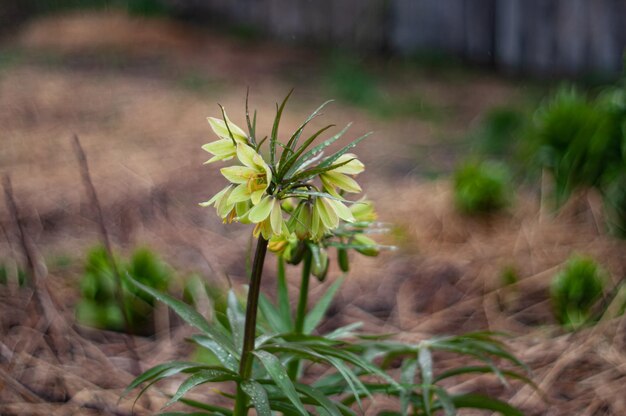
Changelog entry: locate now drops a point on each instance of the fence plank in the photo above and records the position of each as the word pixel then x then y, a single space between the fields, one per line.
pixel 537 36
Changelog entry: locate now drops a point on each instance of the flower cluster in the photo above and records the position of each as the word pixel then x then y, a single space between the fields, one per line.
pixel 297 196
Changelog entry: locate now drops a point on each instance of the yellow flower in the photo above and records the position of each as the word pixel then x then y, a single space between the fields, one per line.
pixel 252 179
pixel 283 244
pixel 338 177
pixel 363 211
pixel 225 209
pixel 224 148
pixel 268 216
pixel 326 215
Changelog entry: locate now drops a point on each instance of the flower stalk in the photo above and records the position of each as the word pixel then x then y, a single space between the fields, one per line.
pixel 245 367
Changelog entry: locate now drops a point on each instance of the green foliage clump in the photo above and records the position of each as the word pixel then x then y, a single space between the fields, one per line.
pixel 100 305
pixel 481 187
pixel 575 290
pixel 582 142
pixel 499 132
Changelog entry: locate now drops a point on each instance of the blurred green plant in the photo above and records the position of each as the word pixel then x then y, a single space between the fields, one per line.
pixel 266 361
pixel 482 187
pixel 498 134
pixel 582 143
pixel 146 8
pixel 99 305
pixel 7 274
pixel 353 83
pixel 575 290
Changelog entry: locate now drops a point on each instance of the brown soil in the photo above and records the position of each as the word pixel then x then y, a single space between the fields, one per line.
pixel 137 93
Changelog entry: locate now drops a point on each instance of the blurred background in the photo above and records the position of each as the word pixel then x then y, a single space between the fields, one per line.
pixel 498 157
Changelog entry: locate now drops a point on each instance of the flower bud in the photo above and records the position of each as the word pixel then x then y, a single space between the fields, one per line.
pixel 342 259
pixel 319 268
pixel 367 246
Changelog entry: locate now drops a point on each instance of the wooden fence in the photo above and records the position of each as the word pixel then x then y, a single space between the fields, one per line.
pixel 545 37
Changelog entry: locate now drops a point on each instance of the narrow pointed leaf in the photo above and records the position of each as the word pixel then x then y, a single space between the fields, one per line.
pixel 236 318
pixel 201 377
pixel 258 397
pixel 274 135
pixel 331 159
pixel 272 315
pixel 316 314
pixel 425 361
pixel 318 397
pixel 283 295
pixel 278 373
pixel 227 359
pixel 293 141
pixel 297 163
pixel 477 401
pixel 187 313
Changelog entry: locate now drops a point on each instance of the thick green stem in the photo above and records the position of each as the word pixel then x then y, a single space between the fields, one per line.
pixel 245 366
pixel 294 365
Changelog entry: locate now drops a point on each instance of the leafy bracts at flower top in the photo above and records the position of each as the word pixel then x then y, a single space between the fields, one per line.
pixel 261 188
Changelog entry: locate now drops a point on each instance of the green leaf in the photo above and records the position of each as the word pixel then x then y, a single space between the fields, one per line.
pixel 319 398
pixel 446 401
pixel 258 397
pixel 278 373
pixel 483 369
pixel 187 313
pixel 407 377
pixel 331 159
pixel 227 359
pixel 293 142
pixel 344 331
pixel 296 165
pixel 274 135
pixel 300 192
pixel 478 401
pixel 236 318
pixel 314 171
pixel 425 361
pixel 201 377
pixel 205 406
pixel 355 360
pixel 271 314
pixel 283 294
pixel 316 314
pixel 251 126
pixel 156 371
pixel 293 160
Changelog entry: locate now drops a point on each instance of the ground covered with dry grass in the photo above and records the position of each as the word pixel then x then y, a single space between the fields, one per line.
pixel 137 93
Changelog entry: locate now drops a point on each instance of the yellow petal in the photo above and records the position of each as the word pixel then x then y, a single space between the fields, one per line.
pixel 246 155
pixel 215 198
pixel 342 211
pixel 223 206
pixel 219 127
pixel 262 210
pixel 341 181
pixel 276 217
pixel 354 167
pixel 220 147
pixel 239 194
pixel 237 174
pixel 255 197
pixel 327 214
